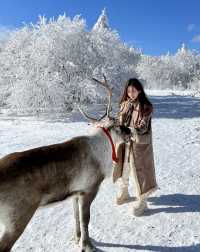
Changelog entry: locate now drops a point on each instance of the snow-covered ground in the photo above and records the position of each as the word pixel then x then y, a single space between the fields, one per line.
pixel 172 222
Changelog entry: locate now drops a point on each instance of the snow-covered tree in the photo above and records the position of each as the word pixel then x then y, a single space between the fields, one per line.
pixel 188 63
pixel 49 65
pixel 102 22
pixel 115 58
pixel 181 70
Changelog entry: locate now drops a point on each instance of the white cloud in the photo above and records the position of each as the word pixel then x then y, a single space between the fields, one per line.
pixel 191 27
pixel 196 38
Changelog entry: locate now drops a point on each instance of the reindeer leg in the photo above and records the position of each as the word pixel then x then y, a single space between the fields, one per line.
pixel 17 206
pixel 14 225
pixel 77 234
pixel 5 245
pixel 84 208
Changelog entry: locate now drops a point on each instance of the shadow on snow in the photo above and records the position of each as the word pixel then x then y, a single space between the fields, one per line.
pixel 192 248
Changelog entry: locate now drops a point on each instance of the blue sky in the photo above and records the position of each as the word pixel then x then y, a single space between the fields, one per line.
pixel 156 26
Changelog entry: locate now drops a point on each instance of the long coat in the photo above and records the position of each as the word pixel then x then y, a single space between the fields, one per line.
pixel 140 157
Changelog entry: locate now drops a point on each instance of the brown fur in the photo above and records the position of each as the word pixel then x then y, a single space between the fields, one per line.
pixel 40 176
pixel 48 174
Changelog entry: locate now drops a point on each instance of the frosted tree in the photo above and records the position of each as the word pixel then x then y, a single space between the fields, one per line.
pixel 178 71
pixel 49 65
pixel 188 63
pixel 102 22
pixel 151 70
pixel 114 58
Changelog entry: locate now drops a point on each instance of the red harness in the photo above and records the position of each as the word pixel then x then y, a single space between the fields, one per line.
pixel 114 156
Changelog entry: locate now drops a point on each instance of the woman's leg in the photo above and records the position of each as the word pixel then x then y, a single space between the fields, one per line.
pixel 140 205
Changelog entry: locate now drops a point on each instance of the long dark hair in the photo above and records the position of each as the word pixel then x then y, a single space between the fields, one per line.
pixel 142 97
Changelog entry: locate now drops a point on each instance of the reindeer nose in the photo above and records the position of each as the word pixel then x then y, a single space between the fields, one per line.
pixel 125 130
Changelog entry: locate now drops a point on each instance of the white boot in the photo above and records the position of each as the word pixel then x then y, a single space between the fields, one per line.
pixel 139 207
pixel 123 196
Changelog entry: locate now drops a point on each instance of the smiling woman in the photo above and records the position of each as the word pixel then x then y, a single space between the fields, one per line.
pixel 138 159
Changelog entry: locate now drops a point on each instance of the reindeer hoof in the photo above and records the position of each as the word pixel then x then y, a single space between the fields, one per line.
pixel 75 238
pixel 88 248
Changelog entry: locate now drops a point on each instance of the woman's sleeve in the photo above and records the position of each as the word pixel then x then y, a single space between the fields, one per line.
pixel 122 113
pixel 143 126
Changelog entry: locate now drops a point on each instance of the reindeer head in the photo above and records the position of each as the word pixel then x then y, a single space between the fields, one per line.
pixel 121 133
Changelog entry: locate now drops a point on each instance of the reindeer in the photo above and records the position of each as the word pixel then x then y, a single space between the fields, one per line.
pixel 49 174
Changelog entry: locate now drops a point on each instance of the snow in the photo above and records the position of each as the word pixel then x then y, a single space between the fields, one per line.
pixel 172 222
pixel 170 92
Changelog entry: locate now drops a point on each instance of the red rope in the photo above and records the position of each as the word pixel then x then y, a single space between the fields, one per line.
pixel 114 156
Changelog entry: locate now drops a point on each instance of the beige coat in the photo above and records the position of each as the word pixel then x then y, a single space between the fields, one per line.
pixel 141 157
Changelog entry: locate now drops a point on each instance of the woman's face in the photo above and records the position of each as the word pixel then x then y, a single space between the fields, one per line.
pixel 132 92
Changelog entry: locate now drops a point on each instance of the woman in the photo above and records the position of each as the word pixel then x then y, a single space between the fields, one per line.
pixel 137 156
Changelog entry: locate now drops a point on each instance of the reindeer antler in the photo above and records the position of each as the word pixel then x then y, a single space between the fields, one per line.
pixel 91 118
pixel 108 107
pixel 105 84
